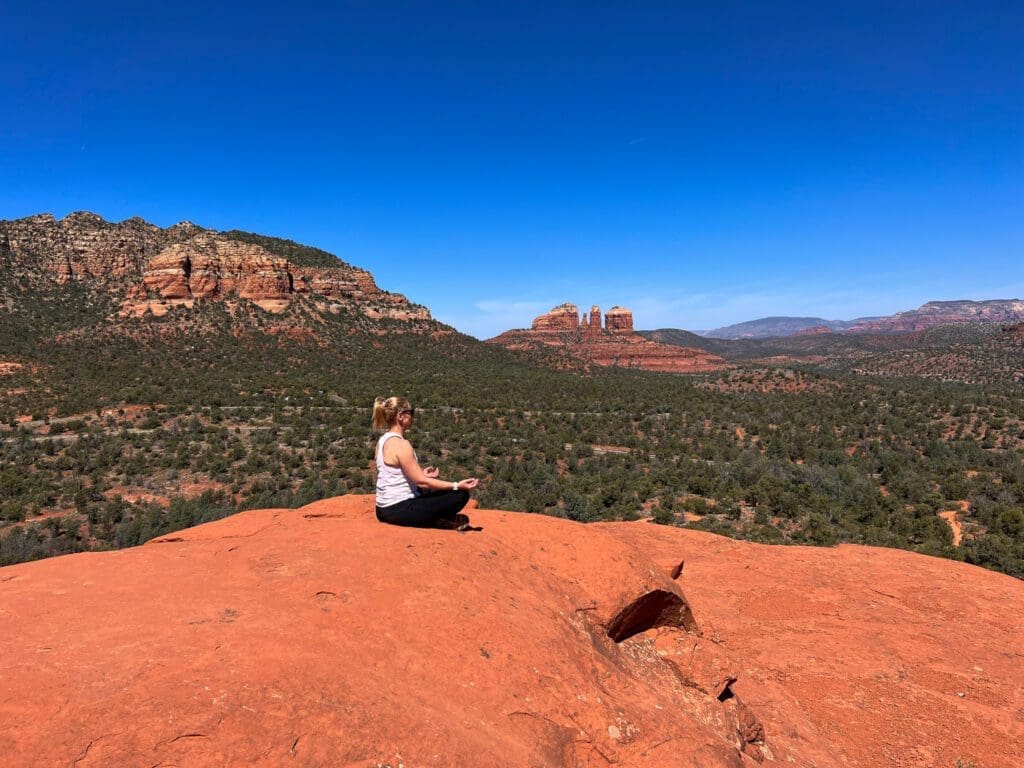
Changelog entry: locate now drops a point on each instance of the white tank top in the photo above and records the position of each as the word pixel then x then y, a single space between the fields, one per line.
pixel 392 484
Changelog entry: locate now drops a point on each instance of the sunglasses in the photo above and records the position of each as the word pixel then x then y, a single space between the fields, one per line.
pixel 410 411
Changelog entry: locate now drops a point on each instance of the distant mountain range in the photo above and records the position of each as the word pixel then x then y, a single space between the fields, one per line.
pixel 774 327
pixel 929 315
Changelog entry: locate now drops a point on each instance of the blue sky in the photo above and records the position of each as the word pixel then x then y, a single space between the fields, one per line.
pixel 700 163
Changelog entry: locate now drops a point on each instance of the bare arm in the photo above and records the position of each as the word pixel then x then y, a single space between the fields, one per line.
pixel 403 455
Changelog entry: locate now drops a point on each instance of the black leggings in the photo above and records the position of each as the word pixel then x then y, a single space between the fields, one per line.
pixel 428 510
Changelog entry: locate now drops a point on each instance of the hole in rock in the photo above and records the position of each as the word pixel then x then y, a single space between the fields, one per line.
pixel 658 608
pixel 726 692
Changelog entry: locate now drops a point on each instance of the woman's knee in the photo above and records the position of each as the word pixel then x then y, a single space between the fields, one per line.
pixel 462 499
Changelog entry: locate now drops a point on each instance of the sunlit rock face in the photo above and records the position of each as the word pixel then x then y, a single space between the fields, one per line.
pixel 619 320
pixel 319 636
pixel 151 270
pixel 564 317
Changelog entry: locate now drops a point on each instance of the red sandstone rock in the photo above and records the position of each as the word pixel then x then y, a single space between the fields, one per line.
pixel 615 345
pixel 167 273
pixel 82 246
pixel 153 270
pixel 318 637
pixel 619 320
pixel 936 313
pixel 208 267
pixel 564 317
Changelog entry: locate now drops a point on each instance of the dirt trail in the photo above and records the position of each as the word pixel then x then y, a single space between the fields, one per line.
pixel 950 516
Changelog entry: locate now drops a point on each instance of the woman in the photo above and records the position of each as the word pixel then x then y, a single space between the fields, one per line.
pixel 408 494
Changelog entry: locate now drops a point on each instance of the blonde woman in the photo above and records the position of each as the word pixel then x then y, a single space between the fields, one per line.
pixel 408 494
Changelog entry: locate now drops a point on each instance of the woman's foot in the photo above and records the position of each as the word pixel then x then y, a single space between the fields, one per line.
pixel 463 524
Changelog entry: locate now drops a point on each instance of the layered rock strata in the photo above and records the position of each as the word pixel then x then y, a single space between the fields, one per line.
pixel 614 344
pixel 154 269
pixel 936 313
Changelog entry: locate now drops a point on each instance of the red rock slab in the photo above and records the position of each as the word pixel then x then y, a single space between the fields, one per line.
pixel 320 637
pixel 898 659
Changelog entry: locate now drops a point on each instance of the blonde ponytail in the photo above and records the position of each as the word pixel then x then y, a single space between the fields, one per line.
pixel 385 411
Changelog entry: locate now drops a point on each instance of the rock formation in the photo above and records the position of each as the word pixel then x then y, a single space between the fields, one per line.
pixel 1014 331
pixel 153 269
pixel 564 317
pixel 318 636
pixel 945 313
pixel 206 267
pixel 619 320
pixel 615 344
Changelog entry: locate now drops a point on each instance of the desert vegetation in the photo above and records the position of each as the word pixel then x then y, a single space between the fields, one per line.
pixel 973 353
pixel 111 433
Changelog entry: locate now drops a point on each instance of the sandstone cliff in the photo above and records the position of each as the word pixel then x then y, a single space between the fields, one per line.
pixel 152 270
pixel 936 313
pixel 614 344
pixel 317 637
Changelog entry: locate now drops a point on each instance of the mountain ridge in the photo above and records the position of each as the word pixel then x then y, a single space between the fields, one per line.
pixel 928 315
pixel 770 327
pixel 150 270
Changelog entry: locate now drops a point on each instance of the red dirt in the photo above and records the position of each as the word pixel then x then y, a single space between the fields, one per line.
pixel 954 525
pixel 950 516
pixel 193 490
pixel 134 495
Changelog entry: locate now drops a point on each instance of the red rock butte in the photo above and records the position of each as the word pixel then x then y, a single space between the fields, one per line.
pixel 320 637
pixel 614 344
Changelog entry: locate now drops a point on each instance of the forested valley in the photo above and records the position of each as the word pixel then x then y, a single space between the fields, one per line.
pixel 113 434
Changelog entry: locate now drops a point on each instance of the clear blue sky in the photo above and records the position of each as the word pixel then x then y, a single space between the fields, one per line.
pixel 699 163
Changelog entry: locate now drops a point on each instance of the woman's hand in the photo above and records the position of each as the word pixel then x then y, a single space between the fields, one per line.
pixel 431 471
pixel 468 484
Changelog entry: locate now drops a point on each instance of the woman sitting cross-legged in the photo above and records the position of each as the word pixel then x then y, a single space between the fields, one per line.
pixel 408 494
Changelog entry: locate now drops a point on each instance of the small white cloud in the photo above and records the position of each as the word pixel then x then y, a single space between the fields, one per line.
pixel 494 316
